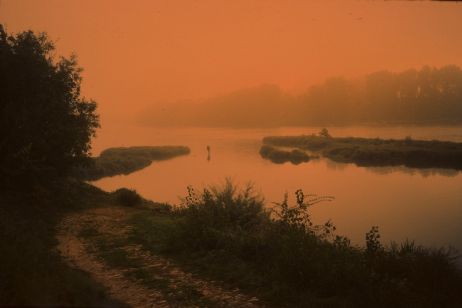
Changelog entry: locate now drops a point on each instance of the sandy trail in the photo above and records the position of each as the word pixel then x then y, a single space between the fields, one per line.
pixel 110 224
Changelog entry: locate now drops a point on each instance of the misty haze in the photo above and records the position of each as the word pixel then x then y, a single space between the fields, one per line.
pixel 230 153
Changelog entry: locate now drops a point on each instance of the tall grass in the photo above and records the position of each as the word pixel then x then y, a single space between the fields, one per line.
pixel 281 255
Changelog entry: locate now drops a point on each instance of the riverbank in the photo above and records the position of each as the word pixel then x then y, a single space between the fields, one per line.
pixel 117 161
pixel 219 241
pixel 32 273
pixel 284 259
pixel 377 152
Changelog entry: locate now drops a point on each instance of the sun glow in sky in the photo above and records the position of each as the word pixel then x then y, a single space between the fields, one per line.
pixel 139 53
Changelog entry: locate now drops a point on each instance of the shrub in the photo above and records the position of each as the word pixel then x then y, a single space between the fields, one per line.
pixel 127 197
pixel 324 133
pixel 279 156
pixel 289 260
pixel 218 216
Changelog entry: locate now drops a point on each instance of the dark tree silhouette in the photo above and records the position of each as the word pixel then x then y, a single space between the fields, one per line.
pixel 45 124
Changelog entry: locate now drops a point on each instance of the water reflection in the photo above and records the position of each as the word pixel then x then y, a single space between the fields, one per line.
pixel 384 170
pixel 427 207
pixel 333 164
pixel 208 153
pixel 426 172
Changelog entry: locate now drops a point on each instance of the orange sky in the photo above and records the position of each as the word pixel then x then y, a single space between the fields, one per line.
pixel 138 52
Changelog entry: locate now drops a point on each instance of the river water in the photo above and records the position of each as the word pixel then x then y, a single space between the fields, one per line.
pixel 424 205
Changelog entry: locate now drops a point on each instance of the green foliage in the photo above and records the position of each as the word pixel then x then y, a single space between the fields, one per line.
pixel 378 152
pixel 288 260
pixel 373 244
pixel 298 216
pixel 32 273
pixel 115 161
pixel 324 133
pixel 279 156
pixel 45 124
pixel 127 197
pixel 220 215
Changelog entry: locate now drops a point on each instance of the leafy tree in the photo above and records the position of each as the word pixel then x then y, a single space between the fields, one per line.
pixel 324 133
pixel 45 124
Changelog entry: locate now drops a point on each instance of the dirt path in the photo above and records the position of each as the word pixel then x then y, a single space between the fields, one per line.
pixel 135 276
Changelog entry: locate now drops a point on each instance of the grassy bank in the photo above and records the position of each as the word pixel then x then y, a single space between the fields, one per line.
pixel 116 161
pixel 31 270
pixel 223 234
pixel 378 152
pixel 286 260
pixel 279 156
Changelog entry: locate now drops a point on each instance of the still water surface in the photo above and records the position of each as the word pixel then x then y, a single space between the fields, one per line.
pixel 424 205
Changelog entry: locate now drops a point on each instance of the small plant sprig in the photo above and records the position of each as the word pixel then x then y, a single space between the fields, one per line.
pixel 299 217
pixel 373 245
pixel 192 198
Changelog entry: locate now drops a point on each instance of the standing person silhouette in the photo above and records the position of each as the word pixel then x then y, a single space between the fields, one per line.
pixel 208 152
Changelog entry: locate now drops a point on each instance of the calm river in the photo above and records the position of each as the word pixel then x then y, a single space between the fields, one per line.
pixel 424 205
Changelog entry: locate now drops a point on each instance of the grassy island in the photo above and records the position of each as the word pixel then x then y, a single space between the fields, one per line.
pixel 280 156
pixel 377 152
pixel 116 161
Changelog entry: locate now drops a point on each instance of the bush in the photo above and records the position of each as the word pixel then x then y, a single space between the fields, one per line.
pixel 127 197
pixel 279 156
pixel 288 260
pixel 218 217
pixel 324 133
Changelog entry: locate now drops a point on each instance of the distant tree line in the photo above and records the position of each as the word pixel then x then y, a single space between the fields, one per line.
pixel 426 96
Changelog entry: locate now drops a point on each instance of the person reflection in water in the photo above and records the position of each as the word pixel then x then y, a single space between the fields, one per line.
pixel 208 153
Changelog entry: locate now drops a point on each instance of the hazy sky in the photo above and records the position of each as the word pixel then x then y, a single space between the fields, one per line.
pixel 138 52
